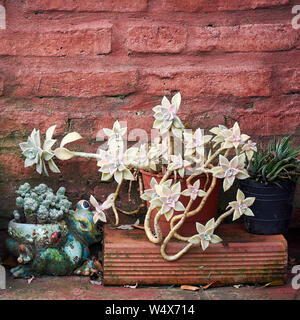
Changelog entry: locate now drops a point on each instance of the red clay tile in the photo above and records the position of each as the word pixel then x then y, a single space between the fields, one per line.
pixel 242 257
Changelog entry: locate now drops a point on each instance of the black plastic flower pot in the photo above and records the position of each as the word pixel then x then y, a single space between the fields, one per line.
pixel 272 207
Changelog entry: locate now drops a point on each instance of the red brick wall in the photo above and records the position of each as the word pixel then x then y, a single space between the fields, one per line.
pixel 81 64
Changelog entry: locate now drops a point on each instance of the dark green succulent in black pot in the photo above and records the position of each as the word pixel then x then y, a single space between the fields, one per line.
pixel 276 163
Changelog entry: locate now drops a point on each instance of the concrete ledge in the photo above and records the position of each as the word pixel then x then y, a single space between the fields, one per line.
pixel 241 258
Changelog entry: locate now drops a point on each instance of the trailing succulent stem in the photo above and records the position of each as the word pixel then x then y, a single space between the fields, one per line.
pixel 219 155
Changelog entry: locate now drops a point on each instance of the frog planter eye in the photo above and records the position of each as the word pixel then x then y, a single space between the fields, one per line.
pixel 60 248
pixel 82 223
pixel 83 204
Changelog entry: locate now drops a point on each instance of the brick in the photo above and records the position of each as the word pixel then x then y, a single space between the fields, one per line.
pixel 88 5
pixel 218 5
pixel 1 85
pixel 269 116
pixel 13 166
pixel 240 82
pixel 86 169
pixel 156 39
pixel 57 43
pixel 269 123
pixel 257 37
pixel 76 83
pixel 26 121
pixel 289 80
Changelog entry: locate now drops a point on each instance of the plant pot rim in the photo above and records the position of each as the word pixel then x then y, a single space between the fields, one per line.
pixel 262 185
pixel 269 185
pixel 34 225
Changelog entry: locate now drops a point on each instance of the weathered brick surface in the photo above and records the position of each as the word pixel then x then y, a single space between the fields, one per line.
pixel 89 5
pixel 77 84
pixel 25 121
pixel 259 37
pixel 14 166
pixel 157 39
pixel 84 64
pixel 1 85
pixel 56 43
pixel 195 82
pixel 219 5
pixel 289 80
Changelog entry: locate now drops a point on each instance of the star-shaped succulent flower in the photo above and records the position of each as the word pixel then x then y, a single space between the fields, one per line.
pixel 194 190
pixel 230 138
pixel 114 163
pixel 166 116
pixel 194 142
pixel 150 194
pixel 168 199
pixel 249 148
pixel 230 170
pixel 241 205
pixel 233 137
pixel 205 234
pixel 177 163
pixel 99 213
pixel 220 134
pixel 116 134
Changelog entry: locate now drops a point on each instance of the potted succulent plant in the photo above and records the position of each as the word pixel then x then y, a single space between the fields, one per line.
pixel 47 237
pixel 178 172
pixel 273 171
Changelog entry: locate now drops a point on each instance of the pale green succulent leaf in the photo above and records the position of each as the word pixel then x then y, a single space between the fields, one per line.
pixel 63 154
pixel 70 137
pixel 50 132
pixel 53 167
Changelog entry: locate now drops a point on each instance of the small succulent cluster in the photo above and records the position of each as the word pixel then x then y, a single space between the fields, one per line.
pixel 40 205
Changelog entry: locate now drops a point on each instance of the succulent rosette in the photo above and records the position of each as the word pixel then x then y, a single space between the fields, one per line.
pixel 116 134
pixel 115 162
pixel 99 213
pixel 249 148
pixel 39 155
pixel 150 194
pixel 166 116
pixel 229 138
pixel 194 142
pixel 230 170
pixel 241 205
pixel 168 200
pixel 205 234
pixel 194 191
pixel 179 164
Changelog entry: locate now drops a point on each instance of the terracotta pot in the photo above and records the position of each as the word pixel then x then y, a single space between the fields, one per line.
pixel 189 227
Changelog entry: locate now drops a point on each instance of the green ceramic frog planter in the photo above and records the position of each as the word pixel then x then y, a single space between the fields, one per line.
pixel 47 237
